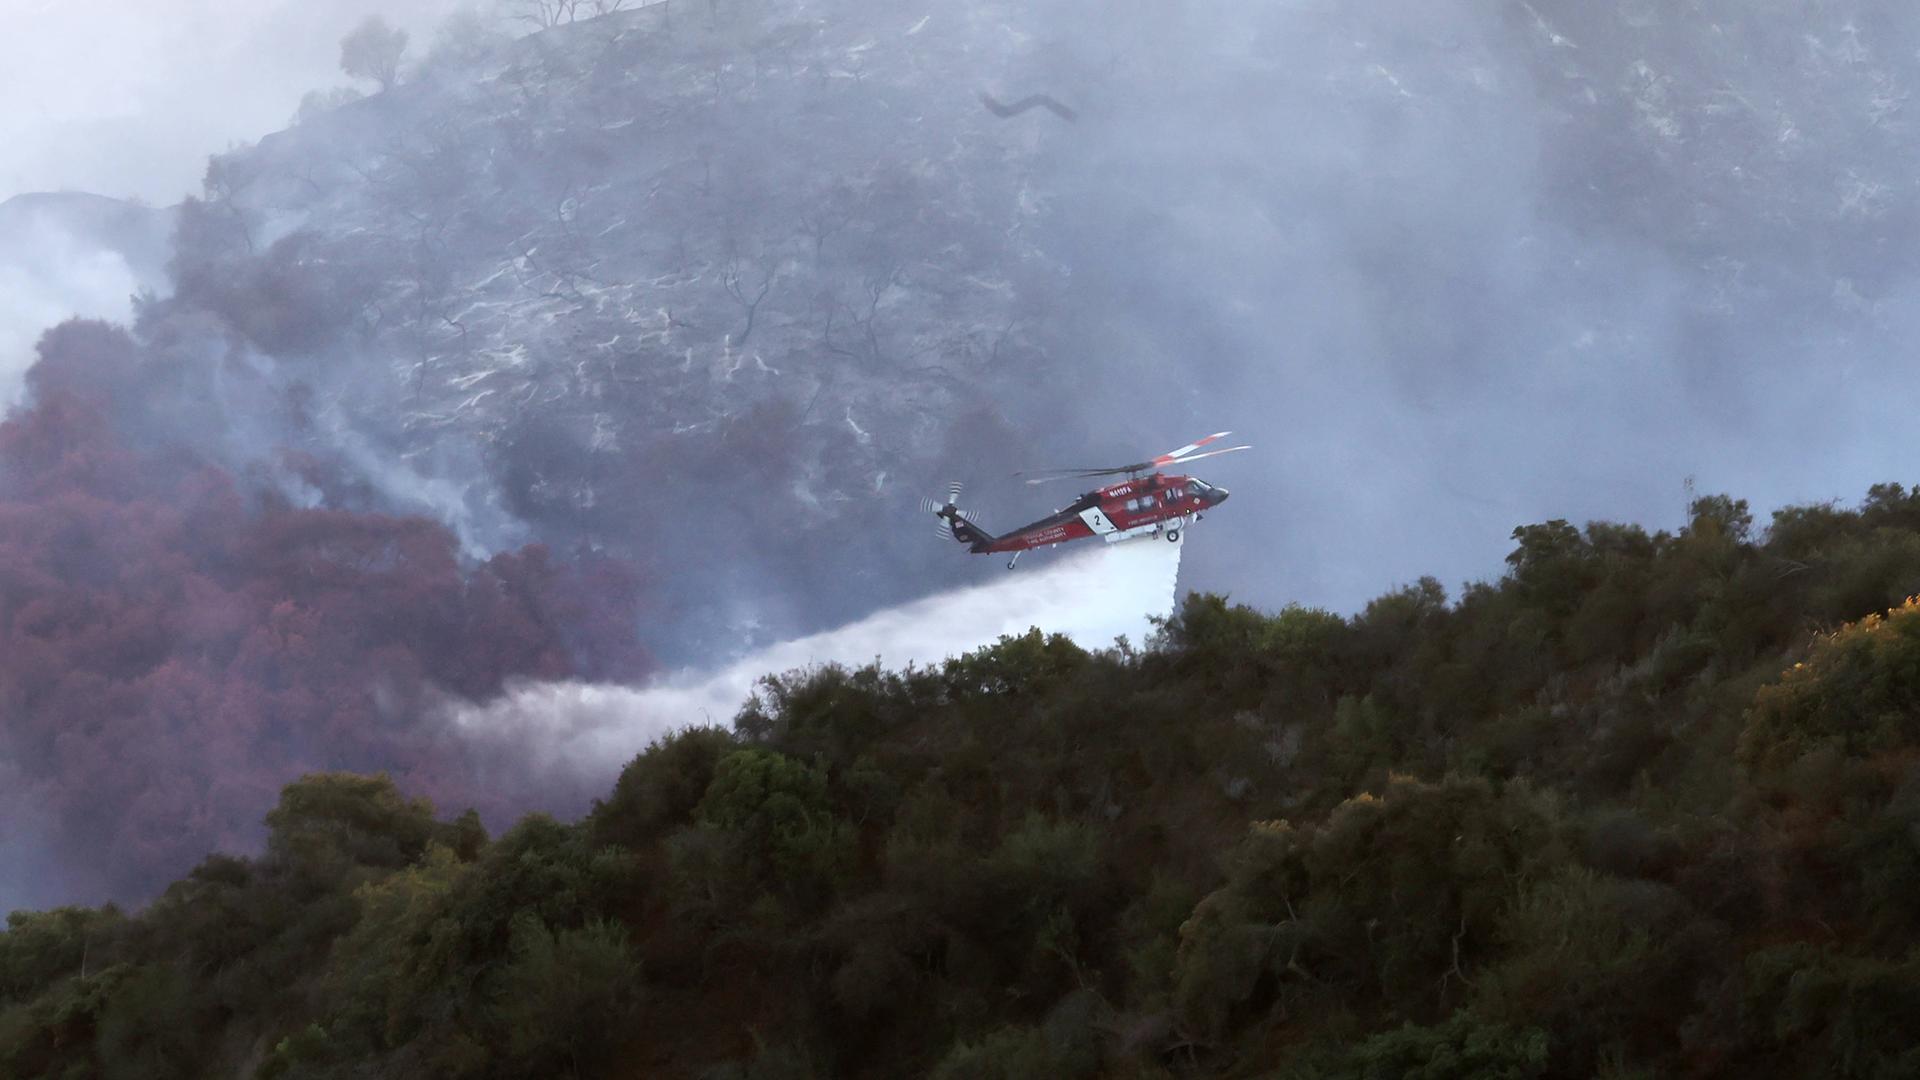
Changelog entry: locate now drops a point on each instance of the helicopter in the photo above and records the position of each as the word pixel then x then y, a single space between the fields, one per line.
pixel 1147 503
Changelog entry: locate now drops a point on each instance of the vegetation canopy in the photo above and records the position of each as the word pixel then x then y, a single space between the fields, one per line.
pixel 1643 806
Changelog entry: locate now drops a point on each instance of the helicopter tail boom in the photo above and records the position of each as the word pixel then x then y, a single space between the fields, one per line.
pixel 966 531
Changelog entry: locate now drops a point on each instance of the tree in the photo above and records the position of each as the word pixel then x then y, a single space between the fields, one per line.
pixel 659 789
pixel 1393 898
pixel 327 823
pixel 768 270
pixel 564 999
pixel 546 14
pixel 372 50
pixel 765 825
pixel 1856 692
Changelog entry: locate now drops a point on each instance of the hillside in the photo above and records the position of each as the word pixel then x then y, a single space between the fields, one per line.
pixel 626 346
pixel 1641 807
pixel 724 294
pixel 730 281
pixel 680 314
pixel 473 380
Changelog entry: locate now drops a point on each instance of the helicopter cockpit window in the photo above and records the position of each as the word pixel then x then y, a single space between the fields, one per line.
pixel 1133 505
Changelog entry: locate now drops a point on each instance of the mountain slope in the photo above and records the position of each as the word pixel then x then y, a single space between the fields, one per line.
pixel 730 283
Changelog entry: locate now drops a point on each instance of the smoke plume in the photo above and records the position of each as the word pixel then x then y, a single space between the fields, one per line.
pixel 69 255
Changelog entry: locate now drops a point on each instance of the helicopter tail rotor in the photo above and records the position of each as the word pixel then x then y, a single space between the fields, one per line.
pixel 956 524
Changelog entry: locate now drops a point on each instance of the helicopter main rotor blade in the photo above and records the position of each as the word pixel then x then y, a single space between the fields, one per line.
pixel 1067 470
pixel 1078 474
pixel 1173 455
pixel 1208 454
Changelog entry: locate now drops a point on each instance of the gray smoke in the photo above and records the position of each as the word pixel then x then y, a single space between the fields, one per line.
pixel 1460 266
pixel 70 255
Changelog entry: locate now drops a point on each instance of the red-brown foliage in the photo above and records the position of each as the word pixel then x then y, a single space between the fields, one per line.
pixel 174 648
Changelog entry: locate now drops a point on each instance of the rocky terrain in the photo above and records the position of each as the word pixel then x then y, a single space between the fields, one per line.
pixel 728 284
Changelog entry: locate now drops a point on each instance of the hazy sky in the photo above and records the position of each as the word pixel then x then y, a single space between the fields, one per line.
pixel 128 97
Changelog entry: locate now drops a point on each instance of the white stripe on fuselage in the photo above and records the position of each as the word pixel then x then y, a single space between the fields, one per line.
pixel 1147 529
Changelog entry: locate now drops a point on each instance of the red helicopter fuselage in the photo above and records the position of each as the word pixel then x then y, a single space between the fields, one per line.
pixel 1152 505
pixel 1147 503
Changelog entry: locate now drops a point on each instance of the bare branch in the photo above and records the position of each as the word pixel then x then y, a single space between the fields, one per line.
pixel 824 220
pixel 731 279
pixel 547 14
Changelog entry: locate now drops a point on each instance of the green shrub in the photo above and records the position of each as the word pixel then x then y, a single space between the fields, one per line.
pixel 1858 690
pixel 770 827
pixel 327 823
pixel 1013 1053
pixel 1808 1010
pixel 1394 899
pixel 563 1000
pixel 41 947
pixel 151 1027
pixel 659 789
pixel 1600 963
pixel 1461 1048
